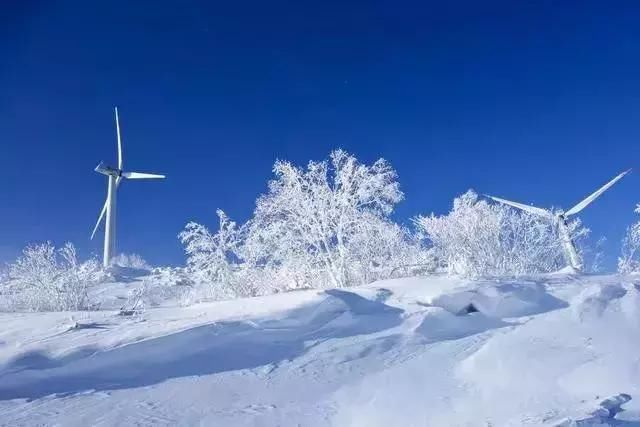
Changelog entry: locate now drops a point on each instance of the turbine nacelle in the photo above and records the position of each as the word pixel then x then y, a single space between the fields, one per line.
pixel 107 170
pixel 119 173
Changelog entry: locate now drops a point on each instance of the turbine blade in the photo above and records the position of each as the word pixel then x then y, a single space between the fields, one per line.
pixel 104 210
pixel 586 202
pixel 141 175
pixel 531 209
pixel 119 140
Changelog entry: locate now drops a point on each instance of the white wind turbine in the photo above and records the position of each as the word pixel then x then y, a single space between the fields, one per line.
pixel 115 176
pixel 559 219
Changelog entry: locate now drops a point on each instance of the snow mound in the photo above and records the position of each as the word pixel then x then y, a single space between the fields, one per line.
pixel 510 299
pixel 594 300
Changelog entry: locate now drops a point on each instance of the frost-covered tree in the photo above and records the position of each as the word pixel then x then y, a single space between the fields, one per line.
pixel 4 275
pixel 309 220
pixel 48 279
pixel 326 225
pixel 629 260
pixel 480 239
pixel 384 249
pixel 210 256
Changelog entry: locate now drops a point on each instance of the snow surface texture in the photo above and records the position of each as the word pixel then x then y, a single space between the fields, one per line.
pixel 556 350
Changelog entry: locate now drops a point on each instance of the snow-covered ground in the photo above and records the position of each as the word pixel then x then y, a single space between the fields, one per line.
pixel 434 351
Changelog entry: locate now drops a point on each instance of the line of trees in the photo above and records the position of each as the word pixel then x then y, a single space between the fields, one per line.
pixel 46 278
pixel 477 239
pixel 325 225
pixel 329 225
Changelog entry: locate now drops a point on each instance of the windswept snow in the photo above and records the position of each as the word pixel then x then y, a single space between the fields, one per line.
pixel 557 350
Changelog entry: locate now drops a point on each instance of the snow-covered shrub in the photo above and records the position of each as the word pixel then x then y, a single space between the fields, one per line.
pixel 48 279
pixel 384 250
pixel 209 257
pixel 629 260
pixel 172 276
pixel 593 254
pixel 5 292
pixel 134 261
pixel 4 275
pixel 167 284
pixel 478 239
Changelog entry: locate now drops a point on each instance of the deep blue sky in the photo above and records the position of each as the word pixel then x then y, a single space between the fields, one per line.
pixel 534 101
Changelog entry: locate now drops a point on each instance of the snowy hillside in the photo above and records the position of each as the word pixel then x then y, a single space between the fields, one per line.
pixel 435 351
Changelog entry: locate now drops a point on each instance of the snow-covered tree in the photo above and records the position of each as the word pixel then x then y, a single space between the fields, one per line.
pixel 629 260
pixel 310 218
pixel 48 279
pixel 326 225
pixel 210 256
pixel 384 249
pixel 480 239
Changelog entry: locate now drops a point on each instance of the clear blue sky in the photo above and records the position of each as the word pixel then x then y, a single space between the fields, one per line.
pixel 534 101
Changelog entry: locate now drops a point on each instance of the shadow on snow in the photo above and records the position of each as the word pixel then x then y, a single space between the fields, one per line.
pixel 203 350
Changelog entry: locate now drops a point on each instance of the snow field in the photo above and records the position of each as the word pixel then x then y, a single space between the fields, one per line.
pixel 549 350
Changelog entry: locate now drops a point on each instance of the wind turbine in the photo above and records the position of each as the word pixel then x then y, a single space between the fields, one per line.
pixel 115 176
pixel 560 218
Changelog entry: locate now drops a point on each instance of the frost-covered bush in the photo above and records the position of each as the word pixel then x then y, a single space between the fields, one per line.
pixel 5 291
pixel 629 260
pixel 166 284
pixel 210 257
pixel 384 250
pixel 45 278
pixel 134 261
pixel 4 275
pixel 593 254
pixel 326 225
pixel 478 239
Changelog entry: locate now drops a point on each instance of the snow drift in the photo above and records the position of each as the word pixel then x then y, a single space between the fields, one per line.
pixel 549 350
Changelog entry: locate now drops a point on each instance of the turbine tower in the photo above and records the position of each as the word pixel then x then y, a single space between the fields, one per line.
pixel 560 220
pixel 115 176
